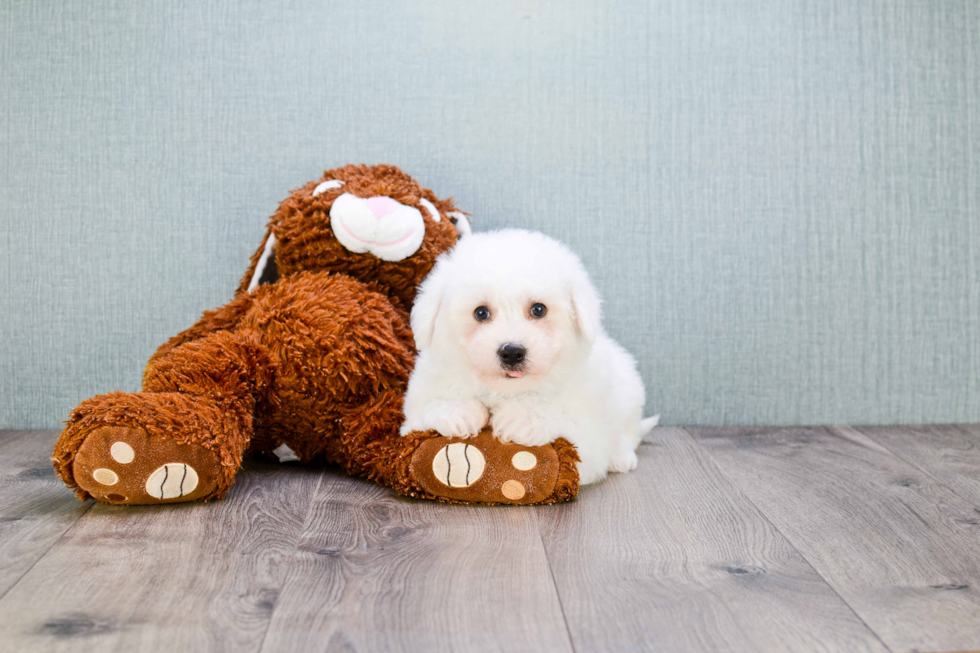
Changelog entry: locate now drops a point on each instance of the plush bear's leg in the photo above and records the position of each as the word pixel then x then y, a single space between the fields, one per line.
pixel 482 469
pixel 182 438
pixel 474 470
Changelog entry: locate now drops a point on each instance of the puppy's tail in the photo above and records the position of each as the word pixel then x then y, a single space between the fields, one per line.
pixel 646 425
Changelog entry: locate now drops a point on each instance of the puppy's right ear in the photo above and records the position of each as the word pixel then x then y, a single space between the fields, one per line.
pixel 428 301
pixel 586 308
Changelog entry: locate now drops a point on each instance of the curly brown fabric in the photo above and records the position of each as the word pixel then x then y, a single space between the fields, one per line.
pixel 317 360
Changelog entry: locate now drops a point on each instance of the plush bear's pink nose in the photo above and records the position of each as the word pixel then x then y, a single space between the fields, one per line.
pixel 382 206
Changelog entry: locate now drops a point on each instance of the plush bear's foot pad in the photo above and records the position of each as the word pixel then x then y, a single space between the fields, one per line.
pixel 123 465
pixel 483 469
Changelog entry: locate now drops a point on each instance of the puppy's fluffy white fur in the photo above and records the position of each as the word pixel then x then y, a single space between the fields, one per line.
pixel 575 382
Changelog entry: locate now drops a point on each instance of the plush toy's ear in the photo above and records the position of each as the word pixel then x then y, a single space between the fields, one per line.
pixel 462 223
pixel 425 310
pixel 263 269
pixel 586 308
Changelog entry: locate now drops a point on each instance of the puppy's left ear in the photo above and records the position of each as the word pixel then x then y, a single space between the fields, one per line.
pixel 586 308
pixel 428 301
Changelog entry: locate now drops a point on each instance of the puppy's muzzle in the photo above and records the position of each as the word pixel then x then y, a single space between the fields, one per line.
pixel 511 355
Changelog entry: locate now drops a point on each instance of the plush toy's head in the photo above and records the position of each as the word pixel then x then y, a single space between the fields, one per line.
pixel 374 223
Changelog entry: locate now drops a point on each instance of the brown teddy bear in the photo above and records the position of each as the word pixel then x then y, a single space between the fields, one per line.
pixel 308 361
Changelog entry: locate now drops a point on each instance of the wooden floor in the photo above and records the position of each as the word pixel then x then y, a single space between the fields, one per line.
pixel 788 539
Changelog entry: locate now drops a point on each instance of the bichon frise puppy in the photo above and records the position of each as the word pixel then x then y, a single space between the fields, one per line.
pixel 509 330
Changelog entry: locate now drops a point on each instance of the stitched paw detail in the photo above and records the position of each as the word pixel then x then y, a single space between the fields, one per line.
pixel 124 465
pixel 458 465
pixel 172 481
pixel 485 470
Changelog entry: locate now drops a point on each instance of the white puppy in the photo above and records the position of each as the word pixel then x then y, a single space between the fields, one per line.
pixel 509 330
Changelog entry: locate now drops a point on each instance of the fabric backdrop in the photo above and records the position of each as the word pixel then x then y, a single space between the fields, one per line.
pixel 778 200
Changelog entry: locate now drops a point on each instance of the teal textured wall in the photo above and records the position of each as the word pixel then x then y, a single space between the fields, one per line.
pixel 780 201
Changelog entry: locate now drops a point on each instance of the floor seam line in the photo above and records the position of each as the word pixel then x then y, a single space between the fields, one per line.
pixel 554 584
pixel 916 467
pixel 48 550
pixel 290 557
pixel 786 537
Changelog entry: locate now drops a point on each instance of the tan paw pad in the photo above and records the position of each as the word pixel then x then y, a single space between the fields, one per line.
pixel 524 460
pixel 513 490
pixel 122 453
pixel 171 481
pixel 458 465
pixel 105 476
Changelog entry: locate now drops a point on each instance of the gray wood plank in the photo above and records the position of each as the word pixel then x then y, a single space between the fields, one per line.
pixel 378 572
pixel 900 548
pixel 950 454
pixel 672 557
pixel 35 507
pixel 183 577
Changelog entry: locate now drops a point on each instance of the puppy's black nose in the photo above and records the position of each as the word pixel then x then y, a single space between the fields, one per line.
pixel 511 354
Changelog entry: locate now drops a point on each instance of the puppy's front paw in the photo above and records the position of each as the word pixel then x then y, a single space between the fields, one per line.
pixel 456 419
pixel 521 427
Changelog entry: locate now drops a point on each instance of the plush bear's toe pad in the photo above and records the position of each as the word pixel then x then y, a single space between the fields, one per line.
pixel 484 470
pixel 124 465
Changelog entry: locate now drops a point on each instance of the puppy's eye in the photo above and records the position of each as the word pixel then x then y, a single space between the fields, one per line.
pixel 482 313
pixel 538 310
